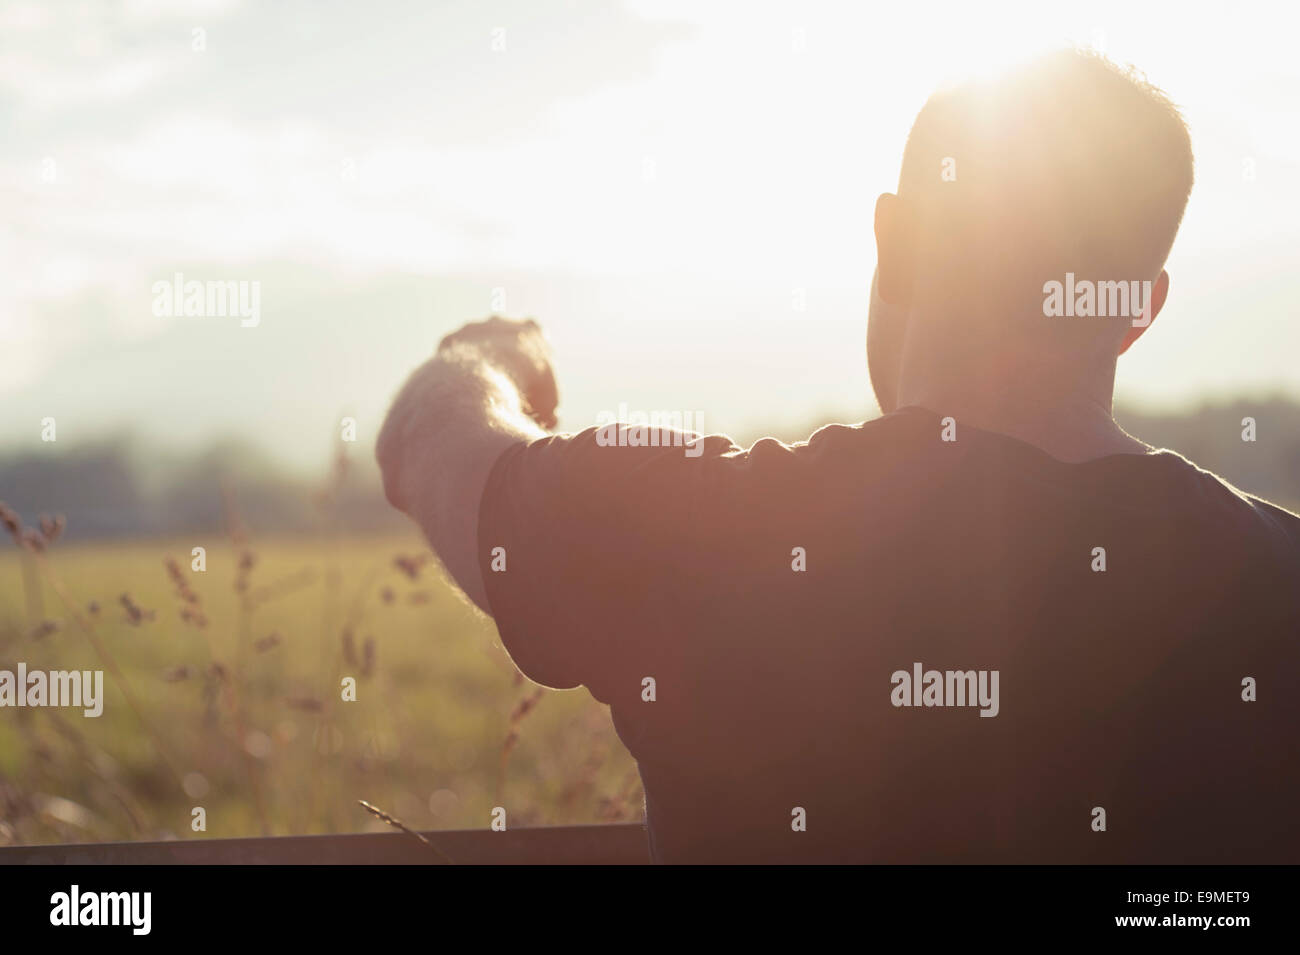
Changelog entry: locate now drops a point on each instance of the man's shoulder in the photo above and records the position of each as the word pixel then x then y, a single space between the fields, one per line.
pixel 839 441
pixel 1218 501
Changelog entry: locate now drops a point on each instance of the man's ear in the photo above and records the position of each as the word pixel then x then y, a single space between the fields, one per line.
pixel 1159 292
pixel 895 255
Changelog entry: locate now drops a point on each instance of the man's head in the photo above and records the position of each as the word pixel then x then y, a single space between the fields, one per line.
pixel 1064 165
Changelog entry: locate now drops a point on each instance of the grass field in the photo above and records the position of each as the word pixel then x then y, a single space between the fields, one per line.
pixel 240 709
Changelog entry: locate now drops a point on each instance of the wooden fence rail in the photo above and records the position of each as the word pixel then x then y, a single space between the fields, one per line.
pixel 614 844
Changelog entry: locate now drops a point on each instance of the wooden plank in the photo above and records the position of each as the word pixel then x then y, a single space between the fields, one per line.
pixel 614 844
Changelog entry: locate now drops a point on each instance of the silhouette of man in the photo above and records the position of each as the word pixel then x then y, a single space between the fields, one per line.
pixel 989 626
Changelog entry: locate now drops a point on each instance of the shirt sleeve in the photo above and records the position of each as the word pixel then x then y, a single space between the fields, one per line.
pixel 583 545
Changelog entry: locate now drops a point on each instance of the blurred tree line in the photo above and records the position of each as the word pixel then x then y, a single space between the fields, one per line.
pixel 117 488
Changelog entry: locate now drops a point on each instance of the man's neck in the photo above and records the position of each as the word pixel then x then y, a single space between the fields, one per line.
pixel 1070 428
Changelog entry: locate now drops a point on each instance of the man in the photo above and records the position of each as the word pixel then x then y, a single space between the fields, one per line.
pixel 989 626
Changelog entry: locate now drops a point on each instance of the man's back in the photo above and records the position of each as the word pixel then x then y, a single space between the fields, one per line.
pixel 824 625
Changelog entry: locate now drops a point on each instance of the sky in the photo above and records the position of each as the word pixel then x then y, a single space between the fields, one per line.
pixel 680 192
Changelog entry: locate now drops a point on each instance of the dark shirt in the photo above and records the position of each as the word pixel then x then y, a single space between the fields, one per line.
pixel 775 688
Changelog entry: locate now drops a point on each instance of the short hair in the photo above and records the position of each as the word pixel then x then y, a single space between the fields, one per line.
pixel 1067 161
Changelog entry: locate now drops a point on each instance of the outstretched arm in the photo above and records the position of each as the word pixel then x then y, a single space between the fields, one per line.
pixel 488 387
